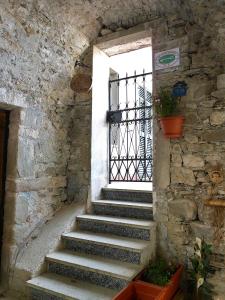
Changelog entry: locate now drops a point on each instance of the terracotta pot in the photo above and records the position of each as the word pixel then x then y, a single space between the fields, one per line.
pixel 147 291
pixel 141 290
pixel 171 288
pixel 128 293
pixel 172 127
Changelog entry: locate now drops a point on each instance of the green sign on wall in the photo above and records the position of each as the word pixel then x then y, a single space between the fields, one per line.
pixel 167 59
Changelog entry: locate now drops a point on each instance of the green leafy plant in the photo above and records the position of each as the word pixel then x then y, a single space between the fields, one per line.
pixel 159 272
pixel 201 268
pixel 166 104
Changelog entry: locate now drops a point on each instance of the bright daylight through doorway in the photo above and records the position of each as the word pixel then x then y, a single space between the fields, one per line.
pixel 131 138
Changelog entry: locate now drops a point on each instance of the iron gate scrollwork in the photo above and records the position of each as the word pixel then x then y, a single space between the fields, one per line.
pixel 130 128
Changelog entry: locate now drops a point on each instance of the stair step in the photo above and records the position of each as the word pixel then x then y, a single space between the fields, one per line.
pixel 140 229
pixel 111 246
pixel 127 195
pixel 51 285
pixel 130 209
pixel 132 204
pixel 91 268
pixel 120 221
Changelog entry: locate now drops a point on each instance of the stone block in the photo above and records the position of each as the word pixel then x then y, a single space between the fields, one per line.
pixel 12 158
pixel 176 160
pixel 22 204
pixel 200 89
pixel 176 149
pixel 214 136
pixel 217 117
pixel 26 159
pixel 162 162
pixel 192 161
pixel 191 119
pixel 190 138
pixel 185 209
pixel 32 117
pixel 219 94
pixel 203 148
pixel 204 113
pixel 208 103
pixel 221 81
pixel 202 231
pixel 182 175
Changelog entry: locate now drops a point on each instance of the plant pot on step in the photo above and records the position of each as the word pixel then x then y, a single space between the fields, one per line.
pixel 141 290
pixel 172 126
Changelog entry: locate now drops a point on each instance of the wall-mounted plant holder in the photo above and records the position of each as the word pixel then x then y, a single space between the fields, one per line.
pixel 81 83
pixel 179 89
pixel 215 202
pixel 216 178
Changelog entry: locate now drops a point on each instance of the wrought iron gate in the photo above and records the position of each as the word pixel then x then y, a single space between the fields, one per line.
pixel 130 128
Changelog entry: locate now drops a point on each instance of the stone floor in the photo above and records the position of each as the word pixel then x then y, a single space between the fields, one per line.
pixel 5 296
pixel 178 296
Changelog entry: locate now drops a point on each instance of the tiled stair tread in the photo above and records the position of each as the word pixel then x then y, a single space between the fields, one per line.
pixel 70 288
pixel 124 203
pixel 126 190
pixel 98 264
pixel 120 221
pixel 108 239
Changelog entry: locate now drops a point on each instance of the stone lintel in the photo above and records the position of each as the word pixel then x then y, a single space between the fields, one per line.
pixel 126 40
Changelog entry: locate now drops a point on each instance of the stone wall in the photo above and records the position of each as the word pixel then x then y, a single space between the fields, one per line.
pixel 182 165
pixel 79 169
pixel 50 129
pixel 38 49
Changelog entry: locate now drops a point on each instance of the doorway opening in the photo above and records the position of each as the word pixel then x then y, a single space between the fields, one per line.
pixel 122 138
pixel 4 131
pixel 130 118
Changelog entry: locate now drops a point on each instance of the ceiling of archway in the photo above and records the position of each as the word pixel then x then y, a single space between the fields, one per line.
pixel 90 14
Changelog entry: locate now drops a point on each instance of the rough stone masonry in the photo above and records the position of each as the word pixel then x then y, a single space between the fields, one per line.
pixel 49 140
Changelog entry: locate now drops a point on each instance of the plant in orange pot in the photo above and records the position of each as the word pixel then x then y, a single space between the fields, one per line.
pixel 161 281
pixel 166 107
pixel 158 281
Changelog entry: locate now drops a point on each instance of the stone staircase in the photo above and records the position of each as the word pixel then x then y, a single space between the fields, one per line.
pixel 108 249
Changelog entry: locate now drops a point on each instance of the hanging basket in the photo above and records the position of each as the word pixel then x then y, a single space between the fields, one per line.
pixel 172 127
pixel 81 83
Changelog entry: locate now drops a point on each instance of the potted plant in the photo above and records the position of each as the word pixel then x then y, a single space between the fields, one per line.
pixel 196 284
pixel 166 106
pixel 158 281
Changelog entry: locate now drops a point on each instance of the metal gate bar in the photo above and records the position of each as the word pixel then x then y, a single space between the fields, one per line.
pixel 130 128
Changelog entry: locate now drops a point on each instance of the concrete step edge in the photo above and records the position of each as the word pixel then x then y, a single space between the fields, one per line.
pixel 126 190
pixel 142 224
pixel 108 240
pixel 69 289
pixel 96 264
pixel 121 203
